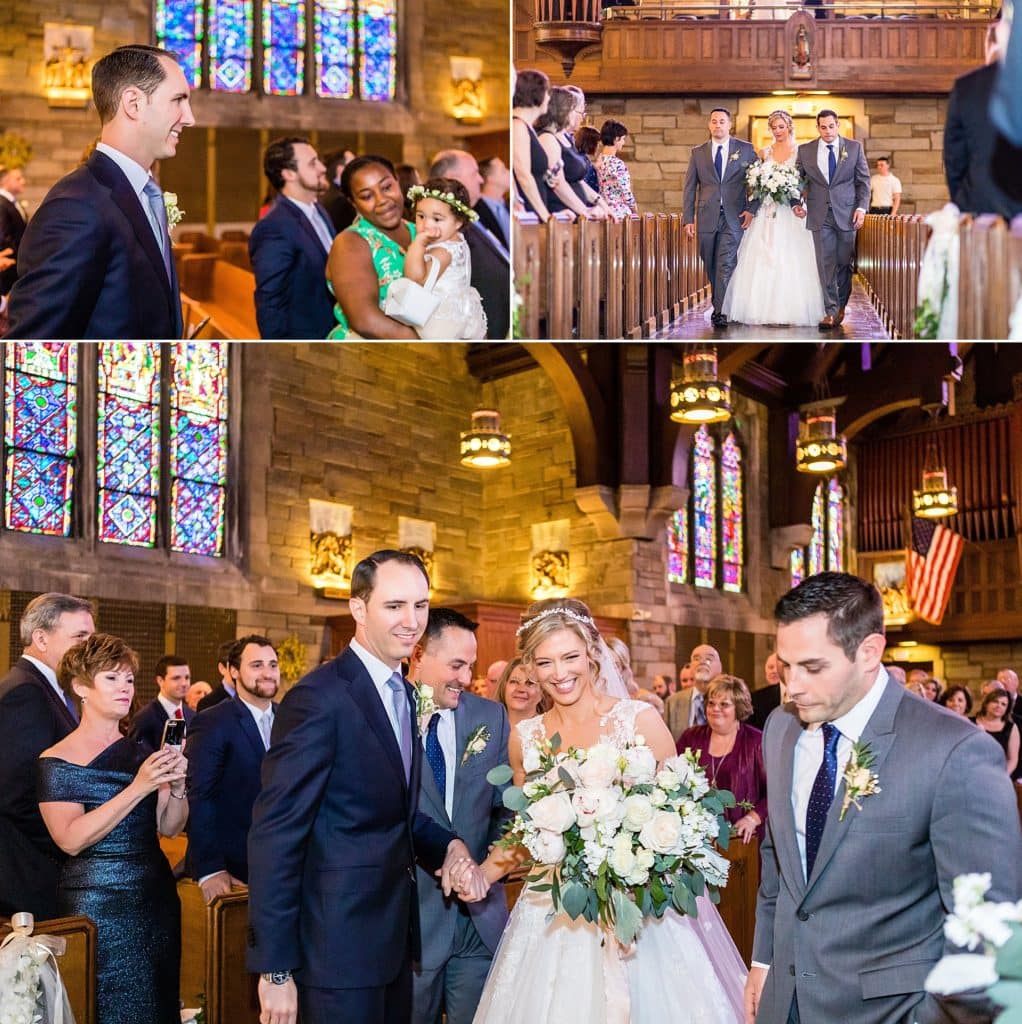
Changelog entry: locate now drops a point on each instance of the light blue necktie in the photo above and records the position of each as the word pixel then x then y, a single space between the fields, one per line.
pixel 158 219
pixel 319 225
pixel 822 795
pixel 401 721
pixel 831 162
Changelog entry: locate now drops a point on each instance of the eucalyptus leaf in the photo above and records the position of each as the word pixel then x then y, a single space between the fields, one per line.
pixel 726 797
pixel 565 776
pixel 698 884
pixel 555 742
pixel 1007 994
pixel 500 774
pixel 514 799
pixel 573 899
pixel 724 835
pixel 1009 956
pixel 627 918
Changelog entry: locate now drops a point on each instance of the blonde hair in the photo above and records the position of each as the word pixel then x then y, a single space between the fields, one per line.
pixel 544 618
pixel 783 115
pixel 505 679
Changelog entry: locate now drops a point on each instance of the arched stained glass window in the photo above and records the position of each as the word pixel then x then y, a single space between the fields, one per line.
pixel 334 41
pixel 198 447
pixel 677 547
pixel 377 30
pixel 40 435
pixel 179 29
pixel 128 441
pixel 704 518
pixel 230 45
pixel 798 566
pixel 818 541
pixel 731 495
pixel 283 47
pixel 835 526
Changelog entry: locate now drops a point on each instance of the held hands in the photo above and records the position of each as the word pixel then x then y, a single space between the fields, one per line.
pixel 799 211
pixel 166 766
pixel 745 219
pixel 753 991
pixel 278 1004
pixel 6 259
pixel 460 874
pixel 219 884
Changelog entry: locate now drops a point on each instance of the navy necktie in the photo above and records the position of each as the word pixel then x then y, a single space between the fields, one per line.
pixel 822 795
pixel 718 162
pixel 831 162
pixel 435 756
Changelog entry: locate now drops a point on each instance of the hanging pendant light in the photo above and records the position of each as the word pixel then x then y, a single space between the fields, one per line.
pixel 699 397
pixel 485 445
pixel 820 448
pixel 934 499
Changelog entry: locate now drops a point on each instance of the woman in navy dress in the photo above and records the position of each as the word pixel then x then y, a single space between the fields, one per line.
pixel 103 801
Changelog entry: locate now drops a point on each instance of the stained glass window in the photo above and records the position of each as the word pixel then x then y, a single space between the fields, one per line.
pixel 817 543
pixel 198 447
pixel 798 566
pixel 377 32
pixel 704 518
pixel 128 441
pixel 179 29
pixel 283 47
pixel 334 42
pixel 731 486
pixel 230 45
pixel 677 547
pixel 835 526
pixel 40 435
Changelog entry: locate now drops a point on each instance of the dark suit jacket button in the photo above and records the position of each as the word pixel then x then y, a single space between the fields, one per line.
pixel 791 970
pixel 251 937
pixel 803 916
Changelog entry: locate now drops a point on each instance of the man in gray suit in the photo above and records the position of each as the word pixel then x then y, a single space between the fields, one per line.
pixel 686 708
pixel 835 202
pixel 853 895
pixel 462 740
pixel 716 170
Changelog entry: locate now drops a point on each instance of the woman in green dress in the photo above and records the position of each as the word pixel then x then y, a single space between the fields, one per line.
pixel 367 256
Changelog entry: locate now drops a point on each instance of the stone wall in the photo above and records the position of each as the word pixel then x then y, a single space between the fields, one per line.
pixel 972 665
pixel 663 131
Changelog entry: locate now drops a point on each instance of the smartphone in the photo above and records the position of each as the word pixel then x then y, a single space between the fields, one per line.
pixel 173 733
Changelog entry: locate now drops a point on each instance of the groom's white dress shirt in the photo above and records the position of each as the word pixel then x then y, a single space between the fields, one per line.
pixel 446 735
pixel 822 158
pixel 138 177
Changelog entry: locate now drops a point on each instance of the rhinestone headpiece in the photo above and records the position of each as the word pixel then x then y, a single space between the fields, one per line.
pixel 559 610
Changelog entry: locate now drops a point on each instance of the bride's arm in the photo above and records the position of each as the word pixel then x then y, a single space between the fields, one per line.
pixel 501 860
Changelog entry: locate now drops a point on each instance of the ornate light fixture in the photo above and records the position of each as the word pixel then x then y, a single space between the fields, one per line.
pixel 699 397
pixel 485 446
pixel 934 499
pixel 820 448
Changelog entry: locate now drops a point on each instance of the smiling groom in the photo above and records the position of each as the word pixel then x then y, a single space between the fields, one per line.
pixel 95 260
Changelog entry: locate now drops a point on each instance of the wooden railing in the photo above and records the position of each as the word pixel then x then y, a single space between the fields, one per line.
pixel 603 279
pixel 888 253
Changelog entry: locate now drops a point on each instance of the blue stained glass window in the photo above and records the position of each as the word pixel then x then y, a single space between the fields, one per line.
pixel 677 547
pixel 798 566
pixel 283 47
pixel 40 435
pixel 377 22
pixel 334 43
pixel 732 499
pixel 230 45
pixel 179 29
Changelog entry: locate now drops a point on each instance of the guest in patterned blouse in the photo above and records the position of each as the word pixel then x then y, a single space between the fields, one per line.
pixel 615 181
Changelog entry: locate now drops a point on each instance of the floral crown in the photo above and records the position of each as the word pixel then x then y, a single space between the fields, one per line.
pixel 559 610
pixel 417 192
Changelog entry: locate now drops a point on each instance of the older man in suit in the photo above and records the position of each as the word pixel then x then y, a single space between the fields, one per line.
pixel 336 829
pixel 687 707
pixel 462 740
pixel 857 873
pixel 716 173
pixel 290 245
pixel 173 677
pixel 226 745
pixel 834 207
pixel 95 260
pixel 35 713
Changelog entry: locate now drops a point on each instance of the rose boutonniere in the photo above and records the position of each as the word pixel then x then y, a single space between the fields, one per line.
pixel 174 213
pixel 860 781
pixel 425 705
pixel 735 155
pixel 476 744
pixel 844 154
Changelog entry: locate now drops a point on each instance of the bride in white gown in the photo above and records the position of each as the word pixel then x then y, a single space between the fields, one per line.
pixel 776 280
pixel 550 969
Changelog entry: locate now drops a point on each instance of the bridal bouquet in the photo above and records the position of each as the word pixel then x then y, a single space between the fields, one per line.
pixel 613 838
pixel 769 180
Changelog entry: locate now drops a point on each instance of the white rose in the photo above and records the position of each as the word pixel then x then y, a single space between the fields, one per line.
pixel 658 797
pixel 640 766
pixel 611 809
pixel 621 858
pixel 662 832
pixel 600 768
pixel 969 890
pixel 960 973
pixel 637 876
pixel 638 810
pixel 586 803
pixel 553 813
pixel 546 847
pixel 530 759
pixel 667 778
pixel 530 789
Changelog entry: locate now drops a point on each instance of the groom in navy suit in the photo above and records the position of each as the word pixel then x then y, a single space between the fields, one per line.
pixel 95 260
pixel 336 830
pixel 290 245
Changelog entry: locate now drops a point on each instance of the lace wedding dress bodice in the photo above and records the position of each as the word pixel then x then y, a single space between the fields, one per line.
pixel 768 156
pixel 616 726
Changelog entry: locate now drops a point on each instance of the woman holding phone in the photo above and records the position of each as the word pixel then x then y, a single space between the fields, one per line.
pixel 103 801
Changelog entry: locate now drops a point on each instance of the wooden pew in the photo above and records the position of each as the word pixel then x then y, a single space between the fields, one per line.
pixel 888 254
pixel 224 291
pixel 738 900
pixel 78 964
pixel 984 277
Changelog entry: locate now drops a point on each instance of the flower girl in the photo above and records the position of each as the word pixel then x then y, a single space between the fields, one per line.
pixel 436 296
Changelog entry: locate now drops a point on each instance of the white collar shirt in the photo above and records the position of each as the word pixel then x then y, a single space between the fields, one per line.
pixel 445 733
pixel 823 157
pixel 138 177
pixel 49 674
pixel 316 220
pixel 380 672
pixel 169 706
pixel 260 716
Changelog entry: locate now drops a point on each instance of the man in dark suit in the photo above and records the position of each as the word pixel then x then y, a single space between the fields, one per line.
pixel 981 165
pixel 335 829
pixel 491 262
pixel 289 246
pixel 35 713
pixel 95 260
pixel 768 697
pixel 224 690
pixel 225 753
pixel 492 207
pixel 12 221
pixel 339 207
pixel 464 738
pixel 173 677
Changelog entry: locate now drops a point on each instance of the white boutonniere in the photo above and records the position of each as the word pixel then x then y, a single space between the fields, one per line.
pixel 860 781
pixel 174 213
pixel 476 744
pixel 425 705
pixel 735 155
pixel 844 154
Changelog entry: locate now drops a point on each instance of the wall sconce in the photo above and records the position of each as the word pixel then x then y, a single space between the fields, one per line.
pixel 330 548
pixel 466 82
pixel 550 568
pixel 67 50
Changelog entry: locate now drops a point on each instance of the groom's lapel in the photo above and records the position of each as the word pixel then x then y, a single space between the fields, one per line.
pixel 879 735
pixel 463 727
pixel 787 851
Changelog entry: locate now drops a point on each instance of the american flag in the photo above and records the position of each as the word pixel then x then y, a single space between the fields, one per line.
pixel 932 563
